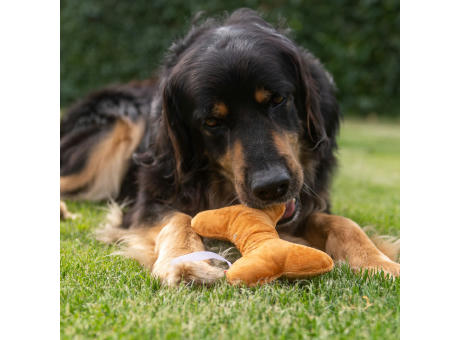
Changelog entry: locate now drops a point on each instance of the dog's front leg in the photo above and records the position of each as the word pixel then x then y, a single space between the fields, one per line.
pixel 177 238
pixel 155 246
pixel 344 240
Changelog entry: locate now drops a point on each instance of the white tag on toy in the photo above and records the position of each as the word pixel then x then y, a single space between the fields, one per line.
pixel 199 256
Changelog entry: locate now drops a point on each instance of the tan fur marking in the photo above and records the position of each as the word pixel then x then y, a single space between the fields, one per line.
pixel 262 95
pixel 107 163
pixel 238 164
pixel 220 110
pixel 287 145
pixel 226 165
pixel 232 162
pixel 232 166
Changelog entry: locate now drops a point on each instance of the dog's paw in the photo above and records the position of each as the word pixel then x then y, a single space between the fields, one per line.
pixel 387 266
pixel 188 272
pixel 66 214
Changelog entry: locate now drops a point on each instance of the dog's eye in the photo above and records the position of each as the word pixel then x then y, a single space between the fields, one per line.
pixel 212 122
pixel 277 100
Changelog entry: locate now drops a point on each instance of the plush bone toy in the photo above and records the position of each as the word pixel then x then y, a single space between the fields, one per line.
pixel 265 256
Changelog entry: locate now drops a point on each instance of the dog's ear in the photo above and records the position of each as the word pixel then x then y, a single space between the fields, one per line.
pixel 176 117
pixel 309 94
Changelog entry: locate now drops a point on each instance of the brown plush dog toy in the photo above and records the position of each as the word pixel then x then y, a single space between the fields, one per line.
pixel 265 256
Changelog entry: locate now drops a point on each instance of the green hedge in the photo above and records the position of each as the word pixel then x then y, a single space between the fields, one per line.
pixel 110 41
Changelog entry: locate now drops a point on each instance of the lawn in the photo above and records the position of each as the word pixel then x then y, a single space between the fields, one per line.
pixel 107 296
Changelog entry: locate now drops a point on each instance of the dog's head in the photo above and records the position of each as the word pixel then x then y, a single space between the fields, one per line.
pixel 242 96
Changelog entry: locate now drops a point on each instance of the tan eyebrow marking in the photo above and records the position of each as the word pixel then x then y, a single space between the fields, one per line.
pixel 262 95
pixel 220 110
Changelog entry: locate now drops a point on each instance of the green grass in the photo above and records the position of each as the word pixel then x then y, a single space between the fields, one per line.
pixel 107 296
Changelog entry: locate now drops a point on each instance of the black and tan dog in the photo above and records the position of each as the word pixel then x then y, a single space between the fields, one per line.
pixel 239 113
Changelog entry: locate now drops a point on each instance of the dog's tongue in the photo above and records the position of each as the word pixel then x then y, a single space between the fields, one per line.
pixel 290 208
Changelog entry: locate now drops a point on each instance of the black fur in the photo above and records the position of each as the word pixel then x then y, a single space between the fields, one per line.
pixel 177 163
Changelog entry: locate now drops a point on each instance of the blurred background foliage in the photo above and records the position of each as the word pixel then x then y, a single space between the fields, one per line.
pixel 113 41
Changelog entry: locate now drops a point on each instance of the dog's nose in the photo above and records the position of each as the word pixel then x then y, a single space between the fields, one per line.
pixel 270 184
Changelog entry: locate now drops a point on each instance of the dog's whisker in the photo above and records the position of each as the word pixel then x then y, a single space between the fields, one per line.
pixel 234 200
pixel 308 190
